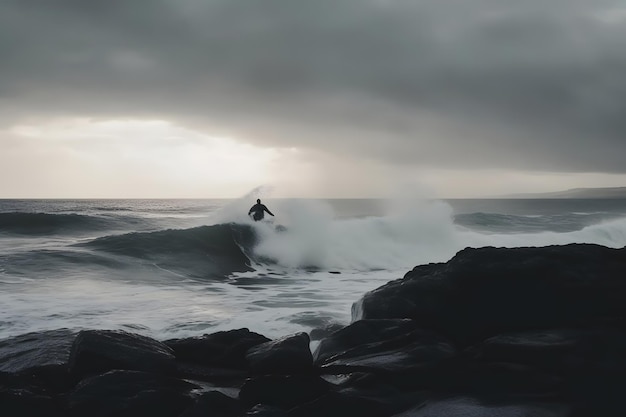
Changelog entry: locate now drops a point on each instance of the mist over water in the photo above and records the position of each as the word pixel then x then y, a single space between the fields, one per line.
pixel 408 232
pixel 315 238
pixel 174 268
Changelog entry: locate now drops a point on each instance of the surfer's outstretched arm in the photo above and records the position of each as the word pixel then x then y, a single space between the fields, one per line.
pixel 269 212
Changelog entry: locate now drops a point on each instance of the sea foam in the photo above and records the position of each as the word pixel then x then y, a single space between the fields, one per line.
pixel 411 232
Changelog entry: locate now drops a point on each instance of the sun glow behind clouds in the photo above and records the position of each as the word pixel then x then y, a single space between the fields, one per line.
pixel 130 158
pixel 134 158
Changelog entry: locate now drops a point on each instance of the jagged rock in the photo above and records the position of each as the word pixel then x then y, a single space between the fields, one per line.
pixel 484 292
pixel 38 358
pixel 408 353
pixel 282 391
pixel 336 404
pixel 130 394
pixel 24 402
pixel 32 351
pixel 222 349
pixel 378 401
pixel 501 380
pixel 214 404
pixel 228 377
pixel 573 351
pixel 320 333
pixel 97 351
pixel 287 355
pixel 470 407
pixel 599 395
pixel 360 333
pixel 261 410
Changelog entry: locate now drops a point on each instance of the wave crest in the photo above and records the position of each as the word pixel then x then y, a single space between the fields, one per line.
pixel 200 252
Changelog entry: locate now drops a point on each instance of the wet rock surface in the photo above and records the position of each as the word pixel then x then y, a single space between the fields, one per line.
pixel 287 355
pixel 493 332
pixel 488 291
pixel 222 349
pixel 96 351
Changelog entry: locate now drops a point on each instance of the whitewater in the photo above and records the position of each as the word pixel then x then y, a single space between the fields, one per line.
pixel 178 268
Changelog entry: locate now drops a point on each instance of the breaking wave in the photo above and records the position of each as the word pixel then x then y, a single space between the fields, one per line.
pixel 496 222
pixel 206 251
pixel 311 237
pixel 412 233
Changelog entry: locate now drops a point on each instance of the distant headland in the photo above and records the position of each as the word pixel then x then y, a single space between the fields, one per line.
pixel 609 192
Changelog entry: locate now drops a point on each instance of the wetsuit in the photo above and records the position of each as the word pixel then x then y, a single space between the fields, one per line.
pixel 258 211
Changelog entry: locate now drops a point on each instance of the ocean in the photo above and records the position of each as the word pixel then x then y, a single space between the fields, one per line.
pixel 179 268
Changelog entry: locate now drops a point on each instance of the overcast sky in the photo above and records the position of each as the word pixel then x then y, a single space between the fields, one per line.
pixel 317 98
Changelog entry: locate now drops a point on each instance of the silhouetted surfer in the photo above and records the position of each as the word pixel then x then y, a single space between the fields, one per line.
pixel 258 211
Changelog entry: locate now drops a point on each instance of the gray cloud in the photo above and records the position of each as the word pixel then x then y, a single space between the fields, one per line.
pixel 457 83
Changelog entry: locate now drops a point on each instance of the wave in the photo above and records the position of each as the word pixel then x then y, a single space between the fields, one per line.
pixel 418 233
pixel 113 209
pixel 49 263
pixel 47 223
pixel 497 222
pixel 200 252
pixel 410 234
pixel 415 233
pixel 609 233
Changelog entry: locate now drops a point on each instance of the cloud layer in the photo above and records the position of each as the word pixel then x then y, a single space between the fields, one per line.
pixel 533 85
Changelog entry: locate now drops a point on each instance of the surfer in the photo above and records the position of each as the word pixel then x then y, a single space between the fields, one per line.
pixel 258 211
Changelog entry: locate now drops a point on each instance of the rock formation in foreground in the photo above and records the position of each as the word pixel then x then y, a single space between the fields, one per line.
pixel 493 332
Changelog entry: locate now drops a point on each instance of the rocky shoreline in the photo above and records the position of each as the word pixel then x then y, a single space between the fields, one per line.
pixel 493 332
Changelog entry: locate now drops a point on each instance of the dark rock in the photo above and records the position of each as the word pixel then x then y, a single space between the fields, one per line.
pixel 214 404
pixel 599 395
pixel 336 404
pixel 467 406
pixel 570 352
pixel 222 349
pixel 360 333
pixel 382 400
pixel 287 355
pixel 282 391
pixel 130 393
pixel 261 410
pixel 321 332
pixel 96 351
pixel 590 362
pixel 543 348
pixel 39 358
pixel 441 376
pixel 23 402
pixel 223 376
pixel 484 292
pixel 409 353
pixel 32 351
pixel 500 380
